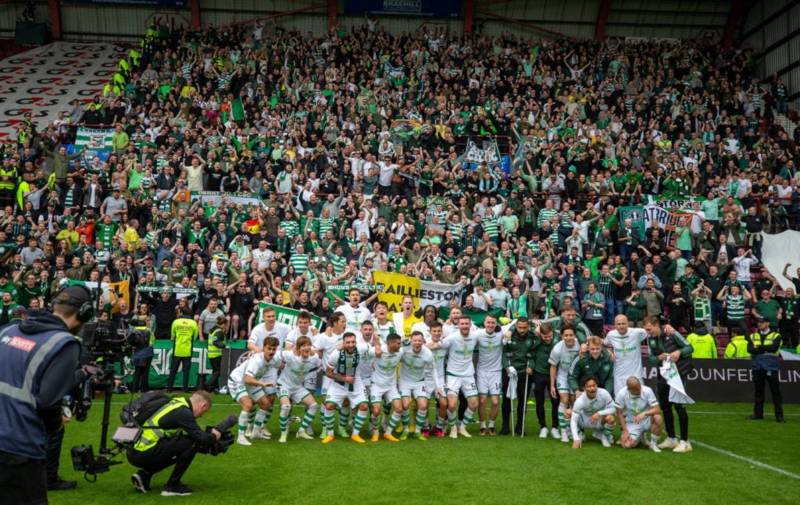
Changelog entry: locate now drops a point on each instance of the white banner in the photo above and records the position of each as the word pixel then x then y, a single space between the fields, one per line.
pixel 778 250
pixel 439 294
pixel 488 152
pixel 217 197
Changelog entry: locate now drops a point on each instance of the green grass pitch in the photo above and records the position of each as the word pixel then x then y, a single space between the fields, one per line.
pixel 481 470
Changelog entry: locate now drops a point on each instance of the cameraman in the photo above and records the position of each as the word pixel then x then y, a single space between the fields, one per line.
pixel 171 437
pixel 39 360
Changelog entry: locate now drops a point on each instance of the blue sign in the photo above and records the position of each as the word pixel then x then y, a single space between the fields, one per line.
pixel 505 164
pixel 417 8
pixel 87 155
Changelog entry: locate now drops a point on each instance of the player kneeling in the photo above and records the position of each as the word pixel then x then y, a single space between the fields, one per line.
pixel 638 412
pixel 594 410
pixel 247 385
pixel 298 364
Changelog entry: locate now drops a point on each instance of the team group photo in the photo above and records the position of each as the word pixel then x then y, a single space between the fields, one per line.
pixel 452 251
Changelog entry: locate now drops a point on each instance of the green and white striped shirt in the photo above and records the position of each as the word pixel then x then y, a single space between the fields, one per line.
pixel 292 228
pixel 299 262
pixel 545 215
pixel 735 307
pixel 325 224
pixel 490 226
pixel 338 262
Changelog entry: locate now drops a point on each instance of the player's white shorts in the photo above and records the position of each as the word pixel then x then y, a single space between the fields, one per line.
pixel 337 394
pixel 326 384
pixel 310 382
pixel 562 384
pixel 464 384
pixel 490 383
pixel 636 430
pixel 415 390
pixel 380 394
pixel 295 394
pixel 430 387
pixel 238 390
pixel 585 422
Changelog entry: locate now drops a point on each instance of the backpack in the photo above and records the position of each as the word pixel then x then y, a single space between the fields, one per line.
pixel 138 411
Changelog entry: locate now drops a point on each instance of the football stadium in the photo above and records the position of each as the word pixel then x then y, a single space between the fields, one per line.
pixel 404 251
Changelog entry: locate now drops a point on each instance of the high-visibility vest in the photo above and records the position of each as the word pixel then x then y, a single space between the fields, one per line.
pixel 9 174
pixel 23 189
pixel 151 431
pixel 184 331
pixel 147 329
pixel 213 350
pixel 705 347
pixel 737 348
pixel 767 340
pixel 134 56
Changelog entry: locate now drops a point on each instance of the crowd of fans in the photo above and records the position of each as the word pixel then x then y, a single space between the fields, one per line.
pixel 354 142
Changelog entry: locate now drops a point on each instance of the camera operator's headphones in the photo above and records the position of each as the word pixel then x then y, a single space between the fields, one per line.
pixel 79 297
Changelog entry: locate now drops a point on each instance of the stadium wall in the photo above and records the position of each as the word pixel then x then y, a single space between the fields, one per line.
pixel 772 28
pixel 84 20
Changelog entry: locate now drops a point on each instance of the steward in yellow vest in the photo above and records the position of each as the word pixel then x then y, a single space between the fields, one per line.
pixel 704 345
pixel 764 345
pixel 170 437
pixel 737 348
pixel 183 334
pixel 216 342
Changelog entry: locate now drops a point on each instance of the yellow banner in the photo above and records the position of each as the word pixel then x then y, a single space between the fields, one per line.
pixel 118 291
pixel 395 287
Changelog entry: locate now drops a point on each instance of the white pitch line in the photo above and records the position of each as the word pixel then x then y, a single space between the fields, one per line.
pixel 750 461
pixel 701 412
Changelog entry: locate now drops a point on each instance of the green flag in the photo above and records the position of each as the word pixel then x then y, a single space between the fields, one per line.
pixel 286 315
pixel 237 110
pixel 93 138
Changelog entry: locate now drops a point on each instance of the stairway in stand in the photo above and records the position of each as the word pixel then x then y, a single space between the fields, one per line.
pixel 786 123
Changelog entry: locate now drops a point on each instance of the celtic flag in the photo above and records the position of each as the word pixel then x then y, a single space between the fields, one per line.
pixel 487 152
pixel 97 139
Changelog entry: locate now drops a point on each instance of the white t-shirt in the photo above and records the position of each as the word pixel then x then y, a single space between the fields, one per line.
pixel 386 173
pixel 419 367
pixel 260 332
pixel 634 405
pixel 355 316
pixel 384 372
pixel 742 265
pixel 627 354
pixel 296 368
pixel 459 353
pixel 256 367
